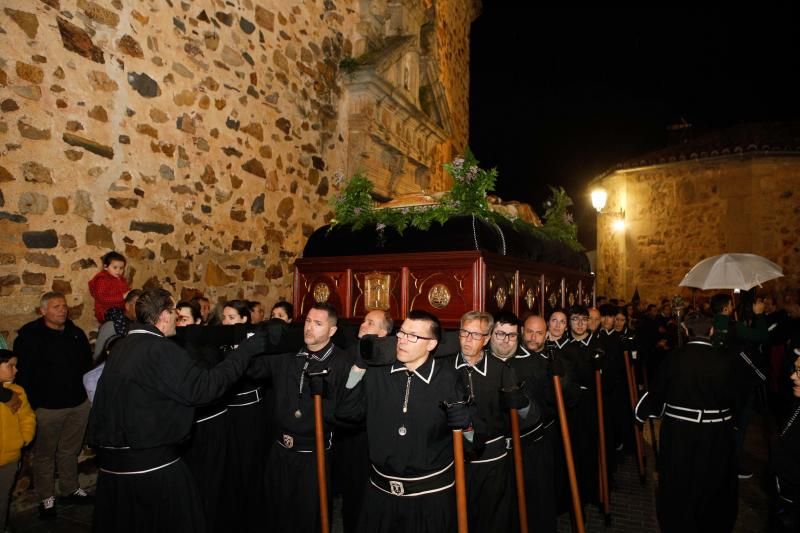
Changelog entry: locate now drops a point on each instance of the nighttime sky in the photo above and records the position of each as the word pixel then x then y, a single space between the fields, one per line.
pixel 561 95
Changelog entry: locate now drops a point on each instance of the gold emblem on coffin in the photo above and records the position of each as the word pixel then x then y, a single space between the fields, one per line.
pixel 500 297
pixel 321 292
pixel 530 298
pixel 439 296
pixel 553 299
pixel 376 291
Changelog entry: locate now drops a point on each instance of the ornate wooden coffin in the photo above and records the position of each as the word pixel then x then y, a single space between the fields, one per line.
pixel 448 270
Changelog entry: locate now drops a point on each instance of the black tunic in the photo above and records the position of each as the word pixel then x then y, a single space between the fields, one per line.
pixel 490 486
pixel 697 489
pixel 425 447
pixel 583 424
pixel 617 411
pixel 145 401
pixel 543 457
pixel 291 477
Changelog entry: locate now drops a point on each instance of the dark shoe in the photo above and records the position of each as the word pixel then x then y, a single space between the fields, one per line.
pixel 745 474
pixel 79 497
pixel 47 509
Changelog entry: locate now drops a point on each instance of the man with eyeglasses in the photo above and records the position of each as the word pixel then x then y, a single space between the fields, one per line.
pixel 694 394
pixel 581 354
pixel 398 388
pixel 540 445
pixel 492 386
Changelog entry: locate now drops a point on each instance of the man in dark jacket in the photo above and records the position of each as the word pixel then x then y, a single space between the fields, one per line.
pixel 53 355
pixel 144 408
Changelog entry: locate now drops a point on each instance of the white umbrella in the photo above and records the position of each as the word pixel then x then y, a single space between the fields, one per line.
pixel 731 271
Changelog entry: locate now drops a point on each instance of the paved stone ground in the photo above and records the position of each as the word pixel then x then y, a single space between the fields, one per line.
pixel 632 506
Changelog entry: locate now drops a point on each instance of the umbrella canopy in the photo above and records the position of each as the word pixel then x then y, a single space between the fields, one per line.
pixel 731 271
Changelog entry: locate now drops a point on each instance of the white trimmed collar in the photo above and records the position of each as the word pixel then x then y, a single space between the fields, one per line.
pixel 608 332
pixel 704 343
pixel 315 355
pixel 585 341
pixel 525 353
pixel 565 338
pixel 461 362
pixel 402 368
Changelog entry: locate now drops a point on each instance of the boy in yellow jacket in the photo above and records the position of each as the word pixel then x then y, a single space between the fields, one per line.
pixel 17 427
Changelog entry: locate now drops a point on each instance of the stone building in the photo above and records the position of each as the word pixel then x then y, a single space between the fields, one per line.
pixel 736 190
pixel 201 138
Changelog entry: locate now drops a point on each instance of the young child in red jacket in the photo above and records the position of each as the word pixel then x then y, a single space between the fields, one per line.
pixel 108 287
pixel 17 426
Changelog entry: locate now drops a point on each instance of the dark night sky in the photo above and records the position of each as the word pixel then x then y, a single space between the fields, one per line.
pixel 561 95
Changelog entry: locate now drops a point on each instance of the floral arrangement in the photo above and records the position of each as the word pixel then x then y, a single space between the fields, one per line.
pixel 355 206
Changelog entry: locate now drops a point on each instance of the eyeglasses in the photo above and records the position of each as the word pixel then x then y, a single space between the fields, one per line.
pixel 579 320
pixel 410 337
pixel 474 335
pixel 502 335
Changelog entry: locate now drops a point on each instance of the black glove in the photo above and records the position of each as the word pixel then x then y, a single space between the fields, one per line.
pixel 512 399
pixel 458 415
pixel 376 351
pixel 318 384
pixel 598 358
pixel 255 344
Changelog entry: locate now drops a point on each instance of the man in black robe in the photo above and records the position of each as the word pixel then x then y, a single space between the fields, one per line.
pixel 409 431
pixel 493 388
pixel 291 474
pixel 695 394
pixel 142 410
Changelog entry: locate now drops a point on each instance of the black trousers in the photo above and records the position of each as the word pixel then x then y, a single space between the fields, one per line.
pixel 539 459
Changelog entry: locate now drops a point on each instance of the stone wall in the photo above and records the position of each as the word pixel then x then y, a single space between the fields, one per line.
pixel 197 138
pixel 679 213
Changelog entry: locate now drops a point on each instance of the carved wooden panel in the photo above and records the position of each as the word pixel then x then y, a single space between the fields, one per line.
pixel 321 287
pixel 500 293
pixel 553 298
pixel 377 289
pixel 530 294
pixel 587 292
pixel 572 292
pixel 447 293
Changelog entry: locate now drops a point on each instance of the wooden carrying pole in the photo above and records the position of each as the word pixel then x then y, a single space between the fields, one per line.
pixel 637 431
pixel 573 479
pixel 521 502
pixel 461 485
pixel 321 475
pixel 605 498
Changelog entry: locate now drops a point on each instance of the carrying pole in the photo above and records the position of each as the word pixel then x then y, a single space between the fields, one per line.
pixel 573 479
pixel 461 486
pixel 517 443
pixel 322 478
pixel 605 498
pixel 637 430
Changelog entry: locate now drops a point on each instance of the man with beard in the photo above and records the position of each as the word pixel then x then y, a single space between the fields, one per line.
pixel 540 440
pixel 291 476
pixel 492 386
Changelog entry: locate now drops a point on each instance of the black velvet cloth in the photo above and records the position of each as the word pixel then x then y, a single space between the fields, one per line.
pixel 462 233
